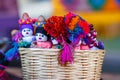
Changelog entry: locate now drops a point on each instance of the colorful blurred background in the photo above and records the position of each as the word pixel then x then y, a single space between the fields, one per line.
pixel 103 14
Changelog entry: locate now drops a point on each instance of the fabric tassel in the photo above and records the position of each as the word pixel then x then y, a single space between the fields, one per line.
pixel 66 55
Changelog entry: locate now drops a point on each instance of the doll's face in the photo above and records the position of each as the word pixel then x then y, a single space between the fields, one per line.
pixel 41 37
pixel 26 32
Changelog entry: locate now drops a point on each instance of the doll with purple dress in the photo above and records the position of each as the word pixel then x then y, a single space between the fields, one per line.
pixel 27 31
pixel 27 28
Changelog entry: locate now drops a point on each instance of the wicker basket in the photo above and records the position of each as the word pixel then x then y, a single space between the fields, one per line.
pixel 42 64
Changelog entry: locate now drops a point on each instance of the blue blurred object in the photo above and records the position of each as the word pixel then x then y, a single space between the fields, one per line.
pixel 3 62
pixel 118 2
pixel 97 4
pixel 100 45
pixel 75 33
pixel 24 44
pixel 71 4
pixel 10 54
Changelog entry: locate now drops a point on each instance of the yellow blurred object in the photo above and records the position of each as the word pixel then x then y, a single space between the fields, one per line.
pixel 101 17
pixel 98 17
pixel 102 20
pixel 38 23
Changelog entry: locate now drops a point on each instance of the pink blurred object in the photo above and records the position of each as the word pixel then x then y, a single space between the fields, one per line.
pixel 77 48
pixel 84 47
pixel 2 72
pixel 45 44
pixel 3 75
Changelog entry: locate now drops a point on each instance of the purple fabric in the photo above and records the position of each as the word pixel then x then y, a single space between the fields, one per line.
pixel 17 37
pixel 26 26
pixel 4 67
pixel 1 51
pixel 66 53
pixel 91 39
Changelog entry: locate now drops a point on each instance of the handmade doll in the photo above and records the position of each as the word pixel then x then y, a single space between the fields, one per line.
pixel 40 22
pixel 27 32
pixel 55 43
pixel 91 36
pixel 71 21
pixel 16 35
pixel 77 28
pixel 82 45
pixel 26 28
pixel 13 52
pixel 42 38
pixel 92 41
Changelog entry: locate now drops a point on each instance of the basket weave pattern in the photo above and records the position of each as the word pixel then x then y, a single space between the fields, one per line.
pixel 42 64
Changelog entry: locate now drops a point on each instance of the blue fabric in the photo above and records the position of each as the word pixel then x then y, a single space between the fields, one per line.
pixel 1 56
pixel 100 45
pixel 10 54
pixel 24 44
pixel 75 33
pixel 41 24
pixel 97 4
pixel 86 40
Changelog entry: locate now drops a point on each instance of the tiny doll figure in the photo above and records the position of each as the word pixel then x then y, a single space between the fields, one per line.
pixel 40 21
pixel 55 43
pixel 25 16
pixel 93 43
pixel 13 53
pixel 42 38
pixel 82 45
pixel 26 28
pixel 27 32
pixel 16 35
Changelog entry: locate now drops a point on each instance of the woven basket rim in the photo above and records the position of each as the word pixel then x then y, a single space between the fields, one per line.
pixel 87 65
pixel 51 49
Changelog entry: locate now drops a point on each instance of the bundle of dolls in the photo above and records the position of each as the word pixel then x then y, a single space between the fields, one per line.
pixel 73 33
pixel 68 33
pixel 82 34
